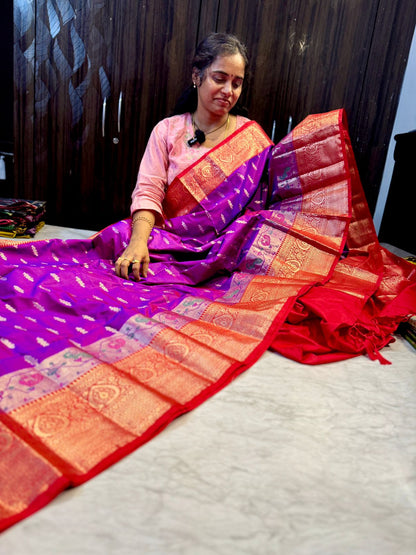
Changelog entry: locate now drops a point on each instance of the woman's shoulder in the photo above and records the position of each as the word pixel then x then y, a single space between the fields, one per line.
pixel 172 123
pixel 173 131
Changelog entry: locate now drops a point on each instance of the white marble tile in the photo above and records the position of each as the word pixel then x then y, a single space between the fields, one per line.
pixel 287 459
pixel 58 232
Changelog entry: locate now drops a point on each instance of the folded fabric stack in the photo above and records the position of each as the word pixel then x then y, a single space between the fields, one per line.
pixel 21 218
pixel 408 330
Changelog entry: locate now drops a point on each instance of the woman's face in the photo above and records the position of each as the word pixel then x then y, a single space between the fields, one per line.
pixel 221 85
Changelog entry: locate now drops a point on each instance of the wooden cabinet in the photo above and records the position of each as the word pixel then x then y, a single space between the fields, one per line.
pixel 74 58
pixel 6 100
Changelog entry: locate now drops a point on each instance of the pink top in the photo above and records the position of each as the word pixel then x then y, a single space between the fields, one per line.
pixel 167 154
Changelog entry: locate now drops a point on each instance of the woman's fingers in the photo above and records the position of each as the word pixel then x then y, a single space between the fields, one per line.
pixel 135 259
pixel 138 265
pixel 145 267
pixel 136 269
pixel 122 266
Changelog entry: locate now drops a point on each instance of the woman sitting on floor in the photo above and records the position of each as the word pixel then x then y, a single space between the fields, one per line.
pixel 208 113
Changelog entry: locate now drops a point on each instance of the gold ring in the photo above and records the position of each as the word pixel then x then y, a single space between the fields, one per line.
pixel 135 261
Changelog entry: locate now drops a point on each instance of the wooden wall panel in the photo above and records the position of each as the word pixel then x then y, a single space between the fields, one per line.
pixel 373 116
pixel 24 94
pixel 208 17
pixel 6 77
pixel 86 52
pixel 311 56
pixel 307 56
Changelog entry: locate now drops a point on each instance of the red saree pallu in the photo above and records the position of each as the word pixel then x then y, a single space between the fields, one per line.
pixel 262 246
pixel 365 298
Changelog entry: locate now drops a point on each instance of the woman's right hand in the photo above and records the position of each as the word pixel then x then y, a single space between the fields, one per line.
pixel 135 259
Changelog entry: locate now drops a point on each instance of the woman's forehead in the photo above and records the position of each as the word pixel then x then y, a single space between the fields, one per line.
pixel 232 65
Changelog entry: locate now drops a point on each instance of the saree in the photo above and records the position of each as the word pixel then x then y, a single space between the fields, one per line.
pixel 262 247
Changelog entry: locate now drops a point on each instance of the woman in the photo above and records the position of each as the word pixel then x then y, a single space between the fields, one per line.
pixel 218 72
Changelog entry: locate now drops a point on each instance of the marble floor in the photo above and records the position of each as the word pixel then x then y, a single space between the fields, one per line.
pixel 287 459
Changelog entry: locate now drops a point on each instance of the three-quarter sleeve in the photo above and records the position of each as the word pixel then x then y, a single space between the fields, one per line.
pixel 152 178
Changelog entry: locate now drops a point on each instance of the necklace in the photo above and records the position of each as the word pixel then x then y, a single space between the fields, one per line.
pixel 200 136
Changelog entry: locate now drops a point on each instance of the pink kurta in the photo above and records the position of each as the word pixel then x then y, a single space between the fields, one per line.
pixel 167 154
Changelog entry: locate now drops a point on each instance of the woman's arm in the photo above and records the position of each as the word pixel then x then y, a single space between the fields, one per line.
pixel 136 256
pixel 146 206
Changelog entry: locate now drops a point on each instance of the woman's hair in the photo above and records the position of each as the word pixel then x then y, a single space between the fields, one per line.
pixel 213 46
pixel 217 44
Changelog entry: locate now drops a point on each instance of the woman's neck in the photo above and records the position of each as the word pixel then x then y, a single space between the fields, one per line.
pixel 208 122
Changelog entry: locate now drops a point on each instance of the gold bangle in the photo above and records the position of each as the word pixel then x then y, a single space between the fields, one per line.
pixel 137 218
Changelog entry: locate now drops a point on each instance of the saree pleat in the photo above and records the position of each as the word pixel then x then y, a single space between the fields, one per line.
pixel 263 247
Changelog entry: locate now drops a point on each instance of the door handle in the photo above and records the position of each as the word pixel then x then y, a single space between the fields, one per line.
pixel 120 103
pixel 103 116
pixel 289 125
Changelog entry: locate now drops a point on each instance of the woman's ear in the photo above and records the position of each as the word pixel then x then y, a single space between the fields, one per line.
pixel 196 80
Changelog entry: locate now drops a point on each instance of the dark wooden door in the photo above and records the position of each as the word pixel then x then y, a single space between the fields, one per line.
pixel 151 66
pixel 61 55
pixel 147 68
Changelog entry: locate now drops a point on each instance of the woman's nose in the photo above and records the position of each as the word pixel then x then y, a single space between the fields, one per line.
pixel 227 88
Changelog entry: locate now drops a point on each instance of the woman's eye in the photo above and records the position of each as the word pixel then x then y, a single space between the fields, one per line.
pixel 220 80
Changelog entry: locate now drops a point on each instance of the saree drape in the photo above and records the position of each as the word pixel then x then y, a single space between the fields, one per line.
pixel 263 246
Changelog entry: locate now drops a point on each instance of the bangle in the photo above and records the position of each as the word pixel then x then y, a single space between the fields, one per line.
pixel 137 218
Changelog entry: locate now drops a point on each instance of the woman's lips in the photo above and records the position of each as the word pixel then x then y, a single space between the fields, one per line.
pixel 222 101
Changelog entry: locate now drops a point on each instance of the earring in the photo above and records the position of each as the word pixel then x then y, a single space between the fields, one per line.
pixel 194 85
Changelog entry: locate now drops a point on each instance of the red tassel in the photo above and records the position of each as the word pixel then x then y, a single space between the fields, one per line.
pixel 374 354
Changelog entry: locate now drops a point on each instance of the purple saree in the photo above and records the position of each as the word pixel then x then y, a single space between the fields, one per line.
pixel 92 366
